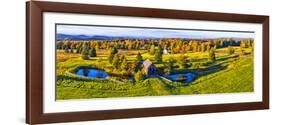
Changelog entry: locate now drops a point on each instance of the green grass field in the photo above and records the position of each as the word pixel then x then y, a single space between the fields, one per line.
pixel 229 74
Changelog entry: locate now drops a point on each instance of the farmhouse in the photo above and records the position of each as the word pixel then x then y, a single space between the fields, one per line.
pixel 166 51
pixel 149 68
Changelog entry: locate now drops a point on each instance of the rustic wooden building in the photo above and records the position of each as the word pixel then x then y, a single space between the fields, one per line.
pixel 149 67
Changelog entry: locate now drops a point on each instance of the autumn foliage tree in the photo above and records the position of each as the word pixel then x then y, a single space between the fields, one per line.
pixel 124 66
pixel 152 50
pixel 230 50
pixel 170 66
pixel 116 61
pixel 112 53
pixel 158 54
pixel 212 55
pixel 181 60
pixel 139 76
pixel 84 53
pixel 139 57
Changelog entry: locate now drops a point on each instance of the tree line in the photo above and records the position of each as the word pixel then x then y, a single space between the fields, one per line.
pixel 174 45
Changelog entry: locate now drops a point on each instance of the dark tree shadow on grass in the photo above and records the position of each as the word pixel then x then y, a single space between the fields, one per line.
pixel 212 68
pixel 228 57
pixel 64 77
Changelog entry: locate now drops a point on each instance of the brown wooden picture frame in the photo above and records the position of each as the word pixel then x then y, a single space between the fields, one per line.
pixel 34 61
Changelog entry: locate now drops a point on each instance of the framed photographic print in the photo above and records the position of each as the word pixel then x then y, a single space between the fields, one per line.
pixel 95 62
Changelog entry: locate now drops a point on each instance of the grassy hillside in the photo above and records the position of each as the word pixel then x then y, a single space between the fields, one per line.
pixel 237 77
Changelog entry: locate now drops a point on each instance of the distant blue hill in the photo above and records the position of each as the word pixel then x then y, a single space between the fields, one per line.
pixel 102 37
pixel 81 37
pixel 94 37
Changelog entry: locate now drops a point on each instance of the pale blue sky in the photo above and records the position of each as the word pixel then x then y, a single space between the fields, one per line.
pixel 145 32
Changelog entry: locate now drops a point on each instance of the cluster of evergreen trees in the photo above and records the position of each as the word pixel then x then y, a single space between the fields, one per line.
pixel 82 48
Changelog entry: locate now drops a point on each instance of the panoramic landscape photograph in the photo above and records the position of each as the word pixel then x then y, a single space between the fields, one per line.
pixel 115 61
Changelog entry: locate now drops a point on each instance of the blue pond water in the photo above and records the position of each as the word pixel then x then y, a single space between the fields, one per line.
pixel 92 73
pixel 186 77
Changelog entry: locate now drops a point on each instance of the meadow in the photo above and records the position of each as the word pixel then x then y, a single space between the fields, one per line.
pixel 216 65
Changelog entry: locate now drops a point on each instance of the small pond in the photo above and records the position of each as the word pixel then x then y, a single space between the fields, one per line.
pixel 92 73
pixel 186 77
